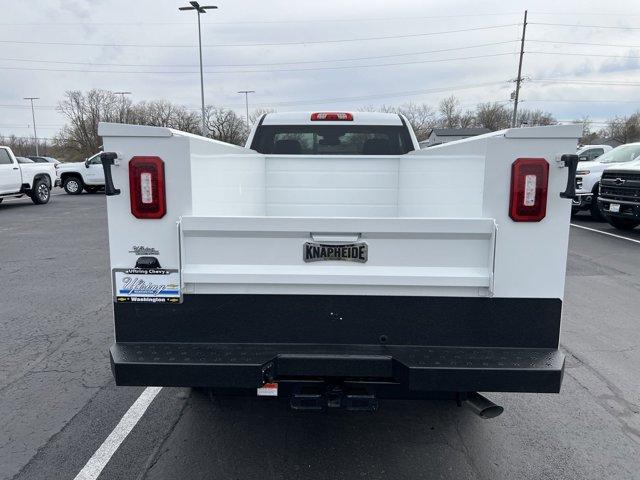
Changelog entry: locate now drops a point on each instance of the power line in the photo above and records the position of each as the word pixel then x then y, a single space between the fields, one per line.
pixel 362 97
pixel 244 22
pixel 382 95
pixel 24 107
pixel 585 43
pixel 40 127
pixel 586 82
pixel 594 14
pixel 584 26
pixel 304 42
pixel 24 138
pixel 567 100
pixel 180 65
pixel 583 54
pixel 273 70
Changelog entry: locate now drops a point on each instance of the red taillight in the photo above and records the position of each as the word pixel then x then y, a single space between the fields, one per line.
pixel 331 117
pixel 146 187
pixel 529 182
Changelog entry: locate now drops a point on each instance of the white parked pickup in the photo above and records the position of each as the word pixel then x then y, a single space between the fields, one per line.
pixel 78 176
pixel 589 174
pixel 32 179
pixel 334 262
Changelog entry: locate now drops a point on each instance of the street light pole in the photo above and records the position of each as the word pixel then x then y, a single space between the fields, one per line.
pixel 200 9
pixel 33 116
pixel 246 102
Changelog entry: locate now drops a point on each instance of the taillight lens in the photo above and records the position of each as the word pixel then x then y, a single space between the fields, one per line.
pixel 529 184
pixel 146 187
pixel 331 117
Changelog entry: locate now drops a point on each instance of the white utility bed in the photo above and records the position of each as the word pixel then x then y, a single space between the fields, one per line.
pixel 436 221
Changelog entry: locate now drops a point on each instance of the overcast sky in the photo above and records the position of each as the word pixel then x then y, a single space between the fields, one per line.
pixel 309 55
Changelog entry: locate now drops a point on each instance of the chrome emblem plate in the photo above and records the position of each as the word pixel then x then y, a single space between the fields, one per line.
pixel 347 252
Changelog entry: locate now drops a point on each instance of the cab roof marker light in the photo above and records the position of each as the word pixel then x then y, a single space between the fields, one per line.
pixel 331 117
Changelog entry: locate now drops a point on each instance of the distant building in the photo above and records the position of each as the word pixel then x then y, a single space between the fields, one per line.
pixel 444 135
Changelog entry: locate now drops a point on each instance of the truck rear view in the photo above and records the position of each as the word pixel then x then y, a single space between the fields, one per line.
pixel 335 263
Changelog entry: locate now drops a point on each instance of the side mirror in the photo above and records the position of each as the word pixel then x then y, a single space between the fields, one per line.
pixel 86 163
pixel 583 158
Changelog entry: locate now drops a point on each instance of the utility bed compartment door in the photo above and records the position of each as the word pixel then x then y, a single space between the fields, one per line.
pixel 265 255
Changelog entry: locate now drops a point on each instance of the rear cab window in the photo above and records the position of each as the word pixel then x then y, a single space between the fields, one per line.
pixel 332 140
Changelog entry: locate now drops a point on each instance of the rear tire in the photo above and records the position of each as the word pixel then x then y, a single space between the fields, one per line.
pixel 40 193
pixel 73 185
pixel 623 223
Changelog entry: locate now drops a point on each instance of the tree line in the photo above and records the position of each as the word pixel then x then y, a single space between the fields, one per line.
pixel 83 111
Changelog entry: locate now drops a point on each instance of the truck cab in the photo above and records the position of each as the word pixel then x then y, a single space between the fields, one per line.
pixel 333 262
pixel 332 133
pixel 587 153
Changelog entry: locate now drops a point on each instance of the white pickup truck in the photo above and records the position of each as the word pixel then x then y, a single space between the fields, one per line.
pixel 589 173
pixel 32 179
pixel 619 195
pixel 78 176
pixel 333 262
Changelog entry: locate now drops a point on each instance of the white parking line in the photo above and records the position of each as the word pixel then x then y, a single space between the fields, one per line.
pixel 606 233
pixel 101 457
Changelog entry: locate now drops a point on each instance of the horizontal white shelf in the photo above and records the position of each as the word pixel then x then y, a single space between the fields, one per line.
pixel 337 275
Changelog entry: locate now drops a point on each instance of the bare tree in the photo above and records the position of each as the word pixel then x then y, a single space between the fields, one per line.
pixel 25 146
pixel 534 118
pixel 493 116
pixel 421 117
pixel 83 113
pixel 161 113
pixel 79 138
pixel 467 119
pixel 255 115
pixel 450 114
pixel 624 129
pixel 226 125
pixel 588 135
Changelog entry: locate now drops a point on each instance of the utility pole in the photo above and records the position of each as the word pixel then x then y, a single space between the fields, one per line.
pixel 519 79
pixel 33 116
pixel 200 9
pixel 246 102
pixel 122 94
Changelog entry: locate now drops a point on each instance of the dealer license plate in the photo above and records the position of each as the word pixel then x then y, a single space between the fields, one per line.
pixel 152 285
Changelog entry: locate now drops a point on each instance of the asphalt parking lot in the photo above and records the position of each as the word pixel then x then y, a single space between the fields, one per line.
pixel 58 402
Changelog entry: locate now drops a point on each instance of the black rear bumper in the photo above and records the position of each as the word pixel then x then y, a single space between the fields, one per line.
pixel 396 370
